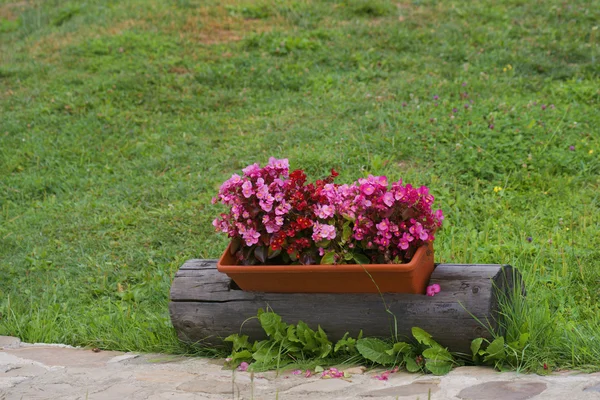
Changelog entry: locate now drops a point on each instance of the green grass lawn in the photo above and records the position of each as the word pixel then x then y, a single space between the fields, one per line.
pixel 120 119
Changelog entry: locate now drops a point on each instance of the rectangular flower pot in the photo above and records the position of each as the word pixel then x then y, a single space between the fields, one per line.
pixel 412 277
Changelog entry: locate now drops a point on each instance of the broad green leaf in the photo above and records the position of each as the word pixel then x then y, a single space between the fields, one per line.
pixel 375 350
pixel 240 356
pixel 423 337
pixel 272 325
pixel 291 334
pixel 325 344
pixel 523 339
pixel 400 347
pixel 348 256
pixel 438 367
pixel 328 258
pixel 495 351
pixel 318 369
pixel 437 354
pixel 239 342
pixel 306 336
pixel 410 364
pixel 475 346
pixel 361 258
pixel 346 344
pixel 267 353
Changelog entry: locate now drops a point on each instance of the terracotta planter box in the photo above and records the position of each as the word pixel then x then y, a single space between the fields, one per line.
pixel 412 277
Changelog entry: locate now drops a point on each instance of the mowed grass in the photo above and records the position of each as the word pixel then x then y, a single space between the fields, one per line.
pixel 120 119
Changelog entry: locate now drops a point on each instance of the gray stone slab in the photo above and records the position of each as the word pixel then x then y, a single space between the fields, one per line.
pixel 595 388
pixel 9 342
pixel 412 389
pixel 322 385
pixel 65 357
pixel 503 390
pixel 214 387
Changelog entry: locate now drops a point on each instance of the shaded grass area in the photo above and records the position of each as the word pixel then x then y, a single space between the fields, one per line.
pixel 119 120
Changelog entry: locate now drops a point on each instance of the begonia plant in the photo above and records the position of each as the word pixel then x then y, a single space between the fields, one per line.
pixel 277 217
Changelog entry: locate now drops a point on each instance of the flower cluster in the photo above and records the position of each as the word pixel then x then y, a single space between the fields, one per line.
pixel 276 216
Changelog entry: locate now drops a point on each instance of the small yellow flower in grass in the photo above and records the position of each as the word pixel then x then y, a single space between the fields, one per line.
pixel 497 189
pixel 591 151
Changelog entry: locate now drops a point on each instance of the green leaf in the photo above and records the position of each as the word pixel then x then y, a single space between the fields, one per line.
pixel 291 334
pixel 438 354
pixel 360 258
pixel 325 344
pixel 272 325
pixel 239 342
pixel 348 256
pixel 400 347
pixel 318 369
pixel 273 253
pixel 238 357
pixel 346 232
pixel 424 337
pixel 375 350
pixel 438 367
pixel 328 258
pixel 323 243
pixel 410 364
pixel 267 353
pixel 306 337
pixel 495 351
pixel 475 346
pixel 346 344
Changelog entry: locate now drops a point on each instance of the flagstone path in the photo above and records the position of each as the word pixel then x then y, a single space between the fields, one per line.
pixel 61 372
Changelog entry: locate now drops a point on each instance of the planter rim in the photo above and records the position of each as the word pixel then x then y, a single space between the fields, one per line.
pixel 226 265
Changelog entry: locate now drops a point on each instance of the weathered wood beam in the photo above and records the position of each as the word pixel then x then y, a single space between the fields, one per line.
pixel 206 306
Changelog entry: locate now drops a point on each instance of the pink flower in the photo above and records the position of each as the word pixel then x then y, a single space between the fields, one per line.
pixel 383 226
pixel 388 199
pixel 404 242
pixel 332 373
pixel 252 170
pixel 247 189
pixel 282 164
pixel 243 366
pixel 417 230
pixel 367 189
pixel 323 232
pixel 308 374
pixel 297 372
pixel 381 180
pixel 266 205
pixel 251 237
pixel 433 289
pixel 383 377
pixel 324 211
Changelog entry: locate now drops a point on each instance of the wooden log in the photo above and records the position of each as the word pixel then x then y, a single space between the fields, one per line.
pixel 206 306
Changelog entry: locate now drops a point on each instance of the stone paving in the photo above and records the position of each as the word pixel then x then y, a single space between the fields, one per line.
pixel 61 372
